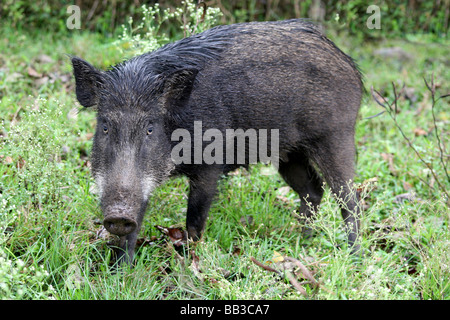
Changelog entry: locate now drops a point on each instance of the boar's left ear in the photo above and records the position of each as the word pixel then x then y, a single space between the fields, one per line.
pixel 87 80
pixel 178 86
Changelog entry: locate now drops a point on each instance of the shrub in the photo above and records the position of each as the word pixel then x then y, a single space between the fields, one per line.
pixel 17 280
pixel 148 36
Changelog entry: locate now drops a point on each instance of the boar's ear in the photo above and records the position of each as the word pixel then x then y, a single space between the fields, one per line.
pixel 87 80
pixel 178 86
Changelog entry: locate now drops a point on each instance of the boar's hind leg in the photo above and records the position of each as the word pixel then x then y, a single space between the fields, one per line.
pixel 301 176
pixel 202 190
pixel 336 160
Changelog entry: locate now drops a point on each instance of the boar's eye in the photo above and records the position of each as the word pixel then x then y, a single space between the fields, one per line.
pixel 105 129
pixel 149 131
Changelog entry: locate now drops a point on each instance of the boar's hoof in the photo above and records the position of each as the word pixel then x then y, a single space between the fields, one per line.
pixel 120 226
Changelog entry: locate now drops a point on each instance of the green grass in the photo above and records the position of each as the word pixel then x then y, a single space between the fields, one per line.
pixel 51 245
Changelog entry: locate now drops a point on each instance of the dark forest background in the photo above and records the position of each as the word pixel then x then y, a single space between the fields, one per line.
pixel 398 16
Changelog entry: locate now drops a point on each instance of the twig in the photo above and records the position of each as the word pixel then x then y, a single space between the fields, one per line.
pixel 308 275
pixel 304 271
pixel 288 274
pixel 295 283
pixel 392 112
pixel 291 275
pixel 92 11
pixel 202 4
pixel 202 18
pixel 184 21
pixel 265 267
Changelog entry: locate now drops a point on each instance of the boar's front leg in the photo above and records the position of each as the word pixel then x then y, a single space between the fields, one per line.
pixel 203 187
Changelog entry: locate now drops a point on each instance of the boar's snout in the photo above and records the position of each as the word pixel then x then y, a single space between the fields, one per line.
pixel 119 225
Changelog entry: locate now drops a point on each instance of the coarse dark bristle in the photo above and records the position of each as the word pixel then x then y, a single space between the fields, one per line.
pixel 192 52
pixel 150 68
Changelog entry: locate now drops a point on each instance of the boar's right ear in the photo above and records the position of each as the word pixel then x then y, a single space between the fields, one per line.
pixel 87 81
pixel 178 86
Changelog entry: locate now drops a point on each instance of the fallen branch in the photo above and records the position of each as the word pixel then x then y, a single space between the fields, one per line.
pixel 295 283
pixel 290 275
pixel 304 270
pixel 265 267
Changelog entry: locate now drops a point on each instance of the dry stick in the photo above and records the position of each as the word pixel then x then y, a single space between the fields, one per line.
pixel 289 275
pixel 308 275
pixel 265 267
pixel 205 8
pixel 92 11
pixel 184 20
pixel 388 107
pixel 202 18
pixel 295 283
pixel 304 270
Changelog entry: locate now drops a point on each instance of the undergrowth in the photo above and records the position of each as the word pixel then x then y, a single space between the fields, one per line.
pixel 53 245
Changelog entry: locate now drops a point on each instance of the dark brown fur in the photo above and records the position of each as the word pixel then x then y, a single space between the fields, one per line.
pixel 275 75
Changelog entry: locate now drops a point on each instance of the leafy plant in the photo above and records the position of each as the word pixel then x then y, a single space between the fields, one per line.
pixel 36 158
pixel 52 242
pixel 17 280
pixel 148 36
